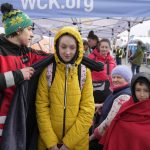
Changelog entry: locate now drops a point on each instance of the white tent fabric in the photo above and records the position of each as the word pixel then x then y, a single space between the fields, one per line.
pixel 105 27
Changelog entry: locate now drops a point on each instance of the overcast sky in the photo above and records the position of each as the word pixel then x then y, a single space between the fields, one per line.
pixel 140 29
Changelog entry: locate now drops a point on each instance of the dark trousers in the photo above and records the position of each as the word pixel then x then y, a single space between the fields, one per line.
pixel 118 61
pixel 93 145
pixel 135 68
pixel 99 97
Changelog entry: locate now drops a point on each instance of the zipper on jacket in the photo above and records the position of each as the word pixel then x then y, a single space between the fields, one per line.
pixel 65 99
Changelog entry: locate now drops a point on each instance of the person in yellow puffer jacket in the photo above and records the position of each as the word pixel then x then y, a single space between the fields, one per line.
pixel 64 111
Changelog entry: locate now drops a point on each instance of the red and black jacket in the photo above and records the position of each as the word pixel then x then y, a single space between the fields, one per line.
pixel 12 59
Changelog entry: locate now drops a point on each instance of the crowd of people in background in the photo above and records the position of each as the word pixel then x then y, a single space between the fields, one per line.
pixel 112 88
pixel 76 107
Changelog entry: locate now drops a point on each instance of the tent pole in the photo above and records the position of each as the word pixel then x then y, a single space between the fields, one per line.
pixel 49 41
pixel 112 42
pixel 127 50
pixel 40 46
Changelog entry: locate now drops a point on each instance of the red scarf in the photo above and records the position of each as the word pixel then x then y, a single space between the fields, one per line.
pixel 130 129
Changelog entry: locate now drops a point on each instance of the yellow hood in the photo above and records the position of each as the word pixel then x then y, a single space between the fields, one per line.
pixel 75 33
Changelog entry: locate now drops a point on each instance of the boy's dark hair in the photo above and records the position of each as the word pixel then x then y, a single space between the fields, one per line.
pixel 91 35
pixel 14 33
pixel 85 42
pixel 141 81
pixel 139 43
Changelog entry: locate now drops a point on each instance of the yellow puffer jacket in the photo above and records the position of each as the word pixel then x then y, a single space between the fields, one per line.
pixel 79 105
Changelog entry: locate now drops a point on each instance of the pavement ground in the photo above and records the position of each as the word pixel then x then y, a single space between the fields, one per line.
pixel 143 68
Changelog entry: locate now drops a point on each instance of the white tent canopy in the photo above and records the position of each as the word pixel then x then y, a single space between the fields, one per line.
pixel 106 27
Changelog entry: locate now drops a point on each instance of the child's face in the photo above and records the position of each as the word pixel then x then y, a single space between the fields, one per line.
pixel 104 48
pixel 67 48
pixel 142 91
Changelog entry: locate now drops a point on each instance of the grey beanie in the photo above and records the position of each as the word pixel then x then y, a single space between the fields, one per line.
pixel 123 71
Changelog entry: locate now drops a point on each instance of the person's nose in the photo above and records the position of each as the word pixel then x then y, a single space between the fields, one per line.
pixel 68 51
pixel 31 34
pixel 115 79
pixel 142 93
pixel 105 49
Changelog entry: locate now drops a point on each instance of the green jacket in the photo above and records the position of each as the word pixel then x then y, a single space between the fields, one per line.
pixel 138 57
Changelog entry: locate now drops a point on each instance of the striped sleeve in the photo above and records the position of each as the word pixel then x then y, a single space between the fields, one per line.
pixel 10 78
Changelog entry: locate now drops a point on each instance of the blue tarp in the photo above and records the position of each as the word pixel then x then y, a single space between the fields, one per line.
pixel 112 16
pixel 82 8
